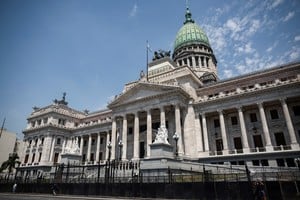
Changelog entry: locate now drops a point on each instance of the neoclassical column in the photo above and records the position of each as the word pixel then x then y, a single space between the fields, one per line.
pixel 98 148
pixel 188 61
pixel 178 129
pixel 106 148
pixel 289 124
pixel 52 148
pixel 113 138
pixel 162 117
pixel 81 144
pixel 264 125
pixel 88 155
pixel 124 138
pixel 64 144
pixel 205 133
pixel 36 159
pixel 198 133
pixel 204 61
pixel 149 131
pixel 223 132
pixel 193 61
pixel 136 136
pixel 243 131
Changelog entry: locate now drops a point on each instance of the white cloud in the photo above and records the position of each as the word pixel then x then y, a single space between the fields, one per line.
pixel 289 16
pixel 294 53
pixel 273 46
pixel 276 3
pixel 133 11
pixel 247 48
pixel 297 38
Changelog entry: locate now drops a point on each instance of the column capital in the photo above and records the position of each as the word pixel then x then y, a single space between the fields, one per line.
pixel 202 114
pixel 240 108
pixel 260 103
pixel 282 100
pixel 220 111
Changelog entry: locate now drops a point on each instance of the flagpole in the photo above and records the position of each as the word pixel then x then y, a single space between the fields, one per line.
pixel 2 127
pixel 147 47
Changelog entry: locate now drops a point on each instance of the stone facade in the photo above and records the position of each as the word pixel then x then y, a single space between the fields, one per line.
pixel 252 119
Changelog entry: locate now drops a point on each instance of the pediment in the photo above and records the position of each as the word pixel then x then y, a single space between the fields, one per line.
pixel 143 91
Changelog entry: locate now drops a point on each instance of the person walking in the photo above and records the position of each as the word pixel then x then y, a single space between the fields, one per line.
pixel 14 188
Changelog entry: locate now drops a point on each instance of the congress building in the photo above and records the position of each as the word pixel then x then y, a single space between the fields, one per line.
pixel 252 119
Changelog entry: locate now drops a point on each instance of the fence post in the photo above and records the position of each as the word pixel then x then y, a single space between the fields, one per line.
pixel 249 181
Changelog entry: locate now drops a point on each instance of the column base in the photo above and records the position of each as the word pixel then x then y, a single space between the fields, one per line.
pixel 295 146
pixel 269 148
pixel 246 150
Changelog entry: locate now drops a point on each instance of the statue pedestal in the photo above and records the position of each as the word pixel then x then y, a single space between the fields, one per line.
pixel 161 150
pixel 70 158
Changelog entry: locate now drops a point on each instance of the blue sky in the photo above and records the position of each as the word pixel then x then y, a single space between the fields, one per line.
pixel 90 49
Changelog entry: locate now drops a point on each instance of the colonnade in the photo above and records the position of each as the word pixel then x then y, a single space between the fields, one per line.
pixel 245 143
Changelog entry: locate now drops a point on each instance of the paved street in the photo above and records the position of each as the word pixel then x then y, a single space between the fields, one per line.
pixel 11 196
pixel 24 196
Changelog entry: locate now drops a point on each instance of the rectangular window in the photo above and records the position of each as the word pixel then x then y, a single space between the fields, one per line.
pixel 42 142
pixel 264 163
pixel 296 110
pixel 92 157
pixel 93 141
pixel 58 141
pixel 40 157
pixel 33 156
pixel 26 158
pixel 101 140
pixel 101 155
pixel 234 120
pixel 274 114
pixel 290 162
pixel 84 143
pixel 83 157
pixel 253 117
pixel 280 162
pixel 143 128
pixel 130 130
pixel 216 123
pixel 255 162
pixel 56 157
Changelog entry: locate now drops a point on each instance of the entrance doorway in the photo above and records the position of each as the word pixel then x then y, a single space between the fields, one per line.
pixel 238 144
pixel 280 140
pixel 142 149
pixel 219 146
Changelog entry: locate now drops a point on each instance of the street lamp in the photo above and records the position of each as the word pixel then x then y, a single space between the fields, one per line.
pixel 120 147
pixel 176 138
pixel 109 150
pixel 297 161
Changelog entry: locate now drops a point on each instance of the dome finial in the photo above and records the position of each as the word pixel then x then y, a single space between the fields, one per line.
pixel 188 14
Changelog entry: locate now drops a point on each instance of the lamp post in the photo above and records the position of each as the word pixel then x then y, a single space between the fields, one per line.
pixel 120 148
pixel 176 138
pixel 297 161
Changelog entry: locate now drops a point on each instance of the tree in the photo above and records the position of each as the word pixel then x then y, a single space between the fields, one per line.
pixel 11 163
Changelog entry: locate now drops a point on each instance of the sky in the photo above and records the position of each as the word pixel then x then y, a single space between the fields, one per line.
pixel 91 48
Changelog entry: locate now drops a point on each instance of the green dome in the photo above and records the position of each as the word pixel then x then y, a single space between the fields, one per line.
pixel 190 33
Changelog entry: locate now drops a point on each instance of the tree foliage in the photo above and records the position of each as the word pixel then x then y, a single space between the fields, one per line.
pixel 11 163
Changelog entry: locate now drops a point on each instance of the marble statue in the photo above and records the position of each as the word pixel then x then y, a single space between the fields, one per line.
pixel 72 146
pixel 162 135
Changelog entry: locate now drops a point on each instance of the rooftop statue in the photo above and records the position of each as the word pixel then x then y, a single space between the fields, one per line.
pixel 161 54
